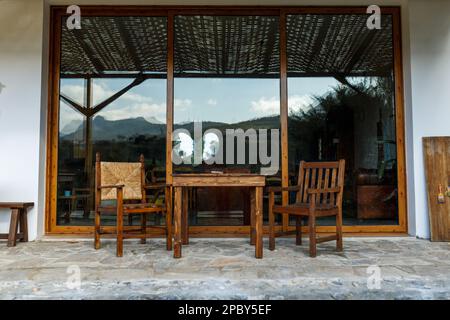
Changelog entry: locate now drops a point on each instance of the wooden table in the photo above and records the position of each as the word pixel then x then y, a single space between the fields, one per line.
pixel 181 182
pixel 18 216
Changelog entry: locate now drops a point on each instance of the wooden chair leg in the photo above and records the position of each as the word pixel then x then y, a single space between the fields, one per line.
pixel 144 227
pixel 13 228
pixel 339 242
pixel 312 236
pixel 271 223
pixel 169 231
pixel 97 230
pixel 298 228
pixel 185 217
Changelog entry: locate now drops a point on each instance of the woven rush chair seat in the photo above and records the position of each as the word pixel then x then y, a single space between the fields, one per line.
pixel 318 194
pixel 131 208
pixel 120 189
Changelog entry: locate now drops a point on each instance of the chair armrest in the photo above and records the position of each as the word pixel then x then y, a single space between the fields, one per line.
pixel 111 186
pixel 328 190
pixel 280 189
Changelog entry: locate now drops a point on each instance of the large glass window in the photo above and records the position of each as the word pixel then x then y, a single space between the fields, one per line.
pixel 341 106
pixel 226 78
pixel 226 110
pixel 112 101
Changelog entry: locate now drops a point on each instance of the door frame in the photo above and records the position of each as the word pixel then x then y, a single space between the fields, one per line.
pixel 56 14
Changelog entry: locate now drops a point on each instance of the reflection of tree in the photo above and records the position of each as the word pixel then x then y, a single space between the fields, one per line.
pixel 329 127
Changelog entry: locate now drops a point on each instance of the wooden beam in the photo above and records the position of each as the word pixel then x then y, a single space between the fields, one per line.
pixel 84 111
pixel 139 79
pixel 170 96
pixel 284 115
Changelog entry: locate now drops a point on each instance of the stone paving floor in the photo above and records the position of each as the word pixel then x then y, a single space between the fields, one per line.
pixel 226 269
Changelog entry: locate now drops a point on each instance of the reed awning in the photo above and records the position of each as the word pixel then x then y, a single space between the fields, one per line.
pixel 222 46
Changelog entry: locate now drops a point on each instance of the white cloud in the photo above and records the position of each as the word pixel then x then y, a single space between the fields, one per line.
pixel 182 104
pixel 129 105
pixel 146 110
pixel 297 103
pixel 270 106
pixel 266 106
pixel 212 102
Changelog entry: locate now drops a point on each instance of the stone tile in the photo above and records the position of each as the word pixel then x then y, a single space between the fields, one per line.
pixel 226 269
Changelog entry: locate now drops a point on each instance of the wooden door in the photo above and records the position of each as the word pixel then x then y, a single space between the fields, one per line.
pixel 437 171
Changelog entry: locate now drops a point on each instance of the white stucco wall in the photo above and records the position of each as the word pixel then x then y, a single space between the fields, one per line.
pixel 23 104
pixel 430 88
pixel 21 44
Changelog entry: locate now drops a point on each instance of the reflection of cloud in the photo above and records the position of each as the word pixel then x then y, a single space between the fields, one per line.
pixel 182 104
pixel 129 105
pixel 146 110
pixel 266 106
pixel 212 102
pixel 297 103
pixel 270 106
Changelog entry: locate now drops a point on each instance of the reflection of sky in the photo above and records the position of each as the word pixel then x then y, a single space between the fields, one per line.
pixel 222 100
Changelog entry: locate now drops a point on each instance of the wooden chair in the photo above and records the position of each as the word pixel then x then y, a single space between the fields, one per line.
pixel 124 182
pixel 318 194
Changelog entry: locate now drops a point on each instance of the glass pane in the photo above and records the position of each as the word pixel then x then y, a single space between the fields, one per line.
pixel 226 79
pixel 341 106
pixel 112 101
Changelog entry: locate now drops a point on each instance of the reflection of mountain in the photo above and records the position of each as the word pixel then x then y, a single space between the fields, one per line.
pixel 271 122
pixel 71 127
pixel 121 129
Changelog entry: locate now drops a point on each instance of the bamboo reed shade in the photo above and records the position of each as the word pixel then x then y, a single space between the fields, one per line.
pixel 317 45
pixel 115 44
pixel 227 45
pixel 338 45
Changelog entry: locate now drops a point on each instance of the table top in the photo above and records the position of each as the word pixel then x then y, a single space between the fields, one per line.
pixel 218 180
pixel 16 205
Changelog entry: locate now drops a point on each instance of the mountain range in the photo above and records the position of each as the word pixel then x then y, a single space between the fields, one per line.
pixel 104 129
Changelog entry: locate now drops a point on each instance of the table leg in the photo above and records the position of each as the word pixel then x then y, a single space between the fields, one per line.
pixel 13 228
pixel 177 222
pixel 252 216
pixel 24 225
pixel 259 222
pixel 185 215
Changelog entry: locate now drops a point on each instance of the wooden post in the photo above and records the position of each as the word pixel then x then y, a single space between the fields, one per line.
pixel 88 139
pixel 170 97
pixel 119 222
pixel 169 218
pixel 177 224
pixel 284 115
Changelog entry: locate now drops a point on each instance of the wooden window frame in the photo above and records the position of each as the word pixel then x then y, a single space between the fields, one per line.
pixel 57 12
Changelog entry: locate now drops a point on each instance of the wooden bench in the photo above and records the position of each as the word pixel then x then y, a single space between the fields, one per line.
pixel 18 216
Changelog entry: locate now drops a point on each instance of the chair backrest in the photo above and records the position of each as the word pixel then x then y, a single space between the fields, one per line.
pixel 321 175
pixel 129 174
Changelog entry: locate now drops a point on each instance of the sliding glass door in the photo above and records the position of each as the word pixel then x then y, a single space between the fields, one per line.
pixel 226 79
pixel 342 106
pixel 112 101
